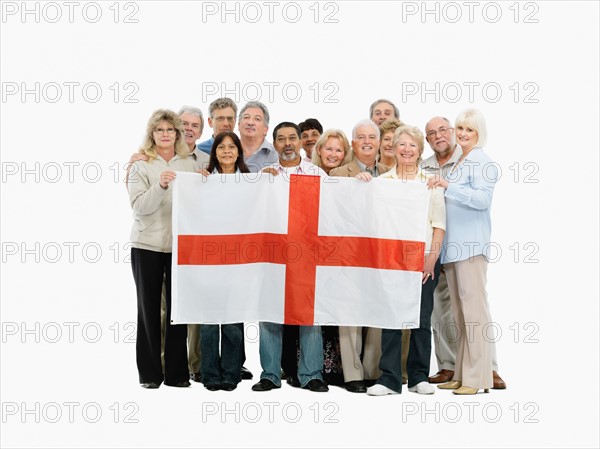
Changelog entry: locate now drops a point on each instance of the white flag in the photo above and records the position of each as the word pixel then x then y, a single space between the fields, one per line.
pixel 300 250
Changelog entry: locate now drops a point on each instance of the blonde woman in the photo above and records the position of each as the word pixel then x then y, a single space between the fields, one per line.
pixel 468 193
pixel 387 155
pixel 151 235
pixel 332 150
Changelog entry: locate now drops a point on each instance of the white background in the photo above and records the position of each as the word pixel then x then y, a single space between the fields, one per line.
pixel 174 54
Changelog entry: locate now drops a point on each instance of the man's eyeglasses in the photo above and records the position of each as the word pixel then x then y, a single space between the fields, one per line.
pixel 221 118
pixel 441 130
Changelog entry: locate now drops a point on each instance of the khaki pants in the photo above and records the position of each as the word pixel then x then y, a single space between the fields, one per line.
pixel 467 284
pixel 351 346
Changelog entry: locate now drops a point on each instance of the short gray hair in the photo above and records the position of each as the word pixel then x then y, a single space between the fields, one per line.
pixel 366 122
pixel 194 111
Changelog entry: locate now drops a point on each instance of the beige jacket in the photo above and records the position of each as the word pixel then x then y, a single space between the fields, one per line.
pixel 151 204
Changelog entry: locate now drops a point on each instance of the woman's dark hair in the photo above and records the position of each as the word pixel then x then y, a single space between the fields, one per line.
pixel 214 162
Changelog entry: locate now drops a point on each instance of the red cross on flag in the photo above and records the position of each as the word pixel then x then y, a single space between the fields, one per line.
pixel 297 250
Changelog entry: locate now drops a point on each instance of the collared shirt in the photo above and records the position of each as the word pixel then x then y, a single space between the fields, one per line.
pixel 374 172
pixel 436 213
pixel 431 166
pixel 303 168
pixel 206 146
pixel 263 157
pixel 468 204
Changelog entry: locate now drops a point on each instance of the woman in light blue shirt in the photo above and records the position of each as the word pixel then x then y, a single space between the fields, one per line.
pixel 468 192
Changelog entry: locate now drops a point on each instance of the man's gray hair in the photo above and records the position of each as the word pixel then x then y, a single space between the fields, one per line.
pixel 194 111
pixel 191 110
pixel 259 105
pixel 366 122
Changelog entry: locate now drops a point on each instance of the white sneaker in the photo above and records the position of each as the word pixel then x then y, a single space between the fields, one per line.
pixel 380 390
pixel 422 388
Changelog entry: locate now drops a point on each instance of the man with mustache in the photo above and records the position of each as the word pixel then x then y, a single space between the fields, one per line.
pixel 286 137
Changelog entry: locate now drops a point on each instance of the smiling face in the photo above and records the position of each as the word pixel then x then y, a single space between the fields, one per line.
pixel 192 126
pixel 407 150
pixel 366 144
pixel 165 136
pixel 466 137
pixel 331 153
pixel 227 154
pixel 252 124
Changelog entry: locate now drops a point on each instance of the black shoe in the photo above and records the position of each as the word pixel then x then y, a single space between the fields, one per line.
pixel 228 387
pixel 213 387
pixel 369 382
pixel 293 381
pixel 356 386
pixel 246 374
pixel 196 377
pixel 264 385
pixel 182 384
pixel 316 385
pixel 150 385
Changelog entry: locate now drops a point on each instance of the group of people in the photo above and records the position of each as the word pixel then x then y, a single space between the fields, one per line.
pixel 371 360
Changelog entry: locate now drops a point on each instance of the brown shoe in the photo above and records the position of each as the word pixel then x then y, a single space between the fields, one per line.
pixel 443 375
pixel 499 384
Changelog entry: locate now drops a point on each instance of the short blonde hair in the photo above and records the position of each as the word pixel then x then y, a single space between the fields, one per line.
pixel 473 118
pixel 390 125
pixel 337 134
pixel 413 132
pixel 149 146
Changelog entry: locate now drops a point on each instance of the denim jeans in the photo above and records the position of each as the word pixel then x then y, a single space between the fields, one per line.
pixel 224 368
pixel 311 353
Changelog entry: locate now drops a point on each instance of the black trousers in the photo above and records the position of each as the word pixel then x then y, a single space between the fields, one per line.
pixel 289 350
pixel 419 354
pixel 148 269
